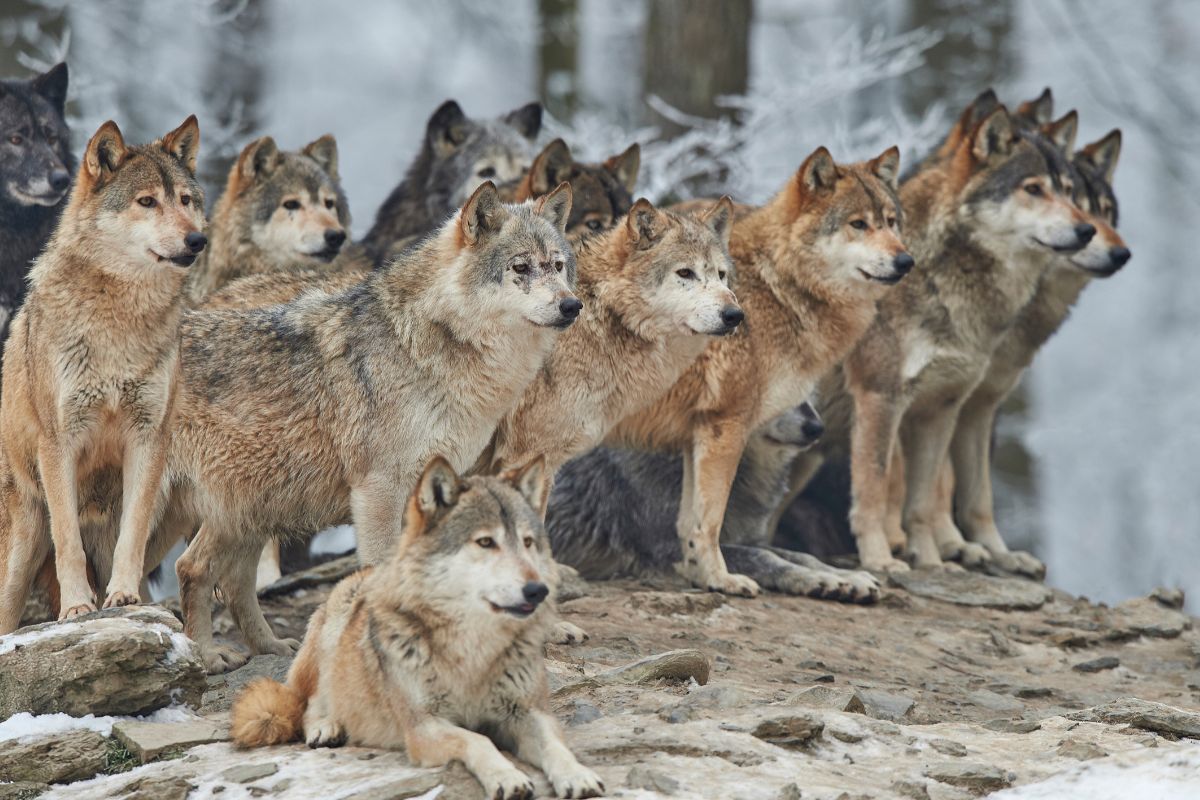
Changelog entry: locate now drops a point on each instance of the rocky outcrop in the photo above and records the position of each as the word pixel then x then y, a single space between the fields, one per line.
pixel 54 758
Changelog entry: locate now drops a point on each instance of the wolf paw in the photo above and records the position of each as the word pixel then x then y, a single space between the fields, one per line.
pixel 279 647
pixel 325 733
pixel 970 554
pixel 858 587
pixel 729 583
pixel 220 658
pixel 119 598
pixel 581 782
pixel 76 610
pixel 1021 563
pixel 887 564
pixel 511 784
pixel 567 633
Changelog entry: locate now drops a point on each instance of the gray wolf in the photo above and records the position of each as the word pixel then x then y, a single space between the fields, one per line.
pixel 90 387
pixel 612 514
pixel 810 266
pixel 438 649
pixel 457 154
pixel 300 416
pixel 35 173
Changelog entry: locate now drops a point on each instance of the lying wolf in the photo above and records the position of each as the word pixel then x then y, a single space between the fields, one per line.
pixel 438 649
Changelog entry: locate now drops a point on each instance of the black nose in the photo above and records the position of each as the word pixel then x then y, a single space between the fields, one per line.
pixel 59 180
pixel 334 237
pixel 195 241
pixel 1119 255
pixel 812 429
pixel 535 592
pixel 732 316
pixel 570 307
pixel 903 263
pixel 1085 231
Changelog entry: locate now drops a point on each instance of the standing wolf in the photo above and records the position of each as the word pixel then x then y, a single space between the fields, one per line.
pixel 456 155
pixel 35 173
pixel 90 386
pixel 438 649
pixel 300 416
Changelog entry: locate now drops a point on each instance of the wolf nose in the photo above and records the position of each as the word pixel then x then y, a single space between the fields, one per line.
pixel 195 241
pixel 732 316
pixel 334 237
pixel 535 592
pixel 813 429
pixel 903 263
pixel 1084 231
pixel 569 307
pixel 1119 255
pixel 59 180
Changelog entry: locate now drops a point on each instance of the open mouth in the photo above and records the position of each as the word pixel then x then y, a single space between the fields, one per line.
pixel 327 255
pixel 520 611
pixel 1060 248
pixel 889 281
pixel 1099 272
pixel 185 260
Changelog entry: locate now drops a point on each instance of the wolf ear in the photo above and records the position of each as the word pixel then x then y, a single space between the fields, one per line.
pixel 550 167
pixel 1039 110
pixel 447 128
pixel 256 160
pixel 184 143
pixel 720 219
pixel 818 172
pixel 556 206
pixel 52 85
pixel 438 487
pixel 985 103
pixel 886 166
pixel 1103 154
pixel 482 215
pixel 626 165
pixel 533 482
pixel 324 152
pixel 105 151
pixel 1062 132
pixel 994 136
pixel 527 120
pixel 645 224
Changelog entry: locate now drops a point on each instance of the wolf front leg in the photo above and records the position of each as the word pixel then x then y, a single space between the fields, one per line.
pixel 56 463
pixel 27 545
pixel 539 742
pixel 709 466
pixel 375 505
pixel 926 438
pixel 435 742
pixel 872 441
pixel 142 472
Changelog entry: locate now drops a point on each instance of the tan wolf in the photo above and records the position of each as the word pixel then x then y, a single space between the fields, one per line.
pixel 437 650
pixel 90 385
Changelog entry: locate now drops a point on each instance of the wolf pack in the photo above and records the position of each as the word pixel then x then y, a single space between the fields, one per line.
pixel 519 369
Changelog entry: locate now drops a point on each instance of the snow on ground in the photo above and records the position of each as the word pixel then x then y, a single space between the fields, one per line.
pixel 1149 774
pixel 25 725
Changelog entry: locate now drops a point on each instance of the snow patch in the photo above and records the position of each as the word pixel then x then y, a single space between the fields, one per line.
pixel 1163 773
pixel 27 726
pixel 338 539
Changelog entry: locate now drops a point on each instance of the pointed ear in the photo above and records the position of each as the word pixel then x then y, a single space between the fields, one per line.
pixel 533 482
pixel 256 160
pixel 1062 132
pixel 550 168
pixel 817 173
pixel 994 136
pixel 985 103
pixel 447 128
pixel 184 143
pixel 626 165
pixel 720 219
pixel 1039 110
pixel 645 224
pixel 437 489
pixel 886 166
pixel 527 120
pixel 104 152
pixel 556 206
pixel 482 215
pixel 52 85
pixel 1103 154
pixel 324 152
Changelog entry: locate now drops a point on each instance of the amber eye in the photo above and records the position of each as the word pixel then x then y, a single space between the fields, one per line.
pixel 291 205
pixel 147 202
pixel 529 541
pixel 1034 189
pixel 487 172
pixel 15 138
pixel 891 222
pixel 329 203
pixel 858 224
pixel 521 267
pixel 686 274
pixel 186 199
pixel 486 542
pixel 595 224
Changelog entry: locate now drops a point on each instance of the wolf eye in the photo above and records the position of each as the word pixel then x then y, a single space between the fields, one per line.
pixel 329 203
pixel 1034 189
pixel 721 274
pixel 686 274
pixel 891 222
pixel 558 265
pixel 486 542
pixel 487 172
pixel 521 267
pixel 15 138
pixel 529 541
pixel 858 224
pixel 147 202
pixel 185 199
pixel 595 224
pixel 291 205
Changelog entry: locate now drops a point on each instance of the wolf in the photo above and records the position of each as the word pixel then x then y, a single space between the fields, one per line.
pixel 36 165
pixel 91 394
pixel 612 511
pixel 810 267
pixel 457 155
pixel 281 211
pixel 438 649
pixel 300 416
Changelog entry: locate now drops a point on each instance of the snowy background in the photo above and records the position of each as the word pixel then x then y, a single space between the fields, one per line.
pixel 1099 455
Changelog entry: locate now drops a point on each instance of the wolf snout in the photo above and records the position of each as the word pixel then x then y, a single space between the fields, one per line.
pixel 813 430
pixel 570 307
pixel 195 241
pixel 1084 232
pixel 334 238
pixel 1118 256
pixel 535 592
pixel 731 317
pixel 903 263
pixel 59 179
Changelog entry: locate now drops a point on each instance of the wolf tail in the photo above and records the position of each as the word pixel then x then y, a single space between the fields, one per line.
pixel 268 712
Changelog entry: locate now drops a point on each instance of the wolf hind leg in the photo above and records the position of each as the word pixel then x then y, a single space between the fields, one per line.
pixel 237 586
pixel 435 742
pixel 196 569
pixel 28 545
pixel 863 586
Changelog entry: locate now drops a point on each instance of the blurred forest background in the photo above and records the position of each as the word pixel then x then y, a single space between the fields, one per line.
pixel 1099 453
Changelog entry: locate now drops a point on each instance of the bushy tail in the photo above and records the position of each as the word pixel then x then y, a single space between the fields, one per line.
pixel 267 712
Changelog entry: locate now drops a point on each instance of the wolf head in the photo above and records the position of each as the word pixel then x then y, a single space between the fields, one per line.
pixel 35 147
pixel 477 546
pixel 798 428
pixel 849 215
pixel 674 274
pixel 1106 253
pixel 142 204
pixel 466 152
pixel 603 193
pixel 289 205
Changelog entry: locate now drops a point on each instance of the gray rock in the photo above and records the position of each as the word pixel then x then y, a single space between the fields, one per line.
pixel 794 730
pixel 1080 750
pixel 673 665
pixel 1098 664
pixel 652 780
pixel 21 790
pixel 789 792
pixel 224 689
pixel 884 705
pixel 1013 725
pixel 248 773
pixel 993 701
pixel 1148 616
pixel 973 589
pixel 148 740
pixel 1143 714
pixel 583 714
pixel 916 790
pixel 120 661
pixel 948 747
pixel 158 787
pixel 328 572
pixel 1171 598
pixel 976 778
pixel 55 758
pixel 830 698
